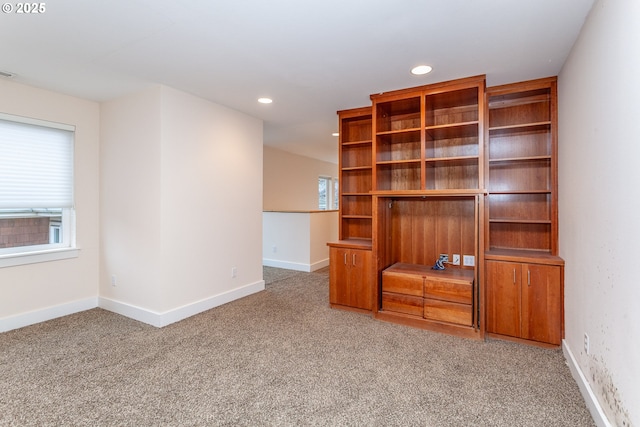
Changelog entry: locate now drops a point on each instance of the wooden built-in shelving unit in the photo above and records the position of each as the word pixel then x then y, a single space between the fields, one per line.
pixel 453 168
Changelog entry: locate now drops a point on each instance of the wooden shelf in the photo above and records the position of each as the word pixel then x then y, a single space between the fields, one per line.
pixel 466 192
pixel 522 98
pixel 353 143
pixel 454 130
pixel 520 127
pixel 398 132
pixel 520 255
pixel 521 221
pixel 462 160
pixel 520 192
pixel 345 194
pixel 398 162
pixel 521 159
pixel 356 168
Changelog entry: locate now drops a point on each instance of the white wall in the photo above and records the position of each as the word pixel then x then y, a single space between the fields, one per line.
pixel 298 240
pixel 285 241
pixel 130 201
pixel 291 181
pixel 599 173
pixel 324 228
pixel 181 204
pixel 36 292
pixel 211 198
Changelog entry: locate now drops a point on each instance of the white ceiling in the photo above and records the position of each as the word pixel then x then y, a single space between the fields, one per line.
pixel 312 57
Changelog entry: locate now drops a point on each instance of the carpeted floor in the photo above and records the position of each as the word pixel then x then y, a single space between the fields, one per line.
pixel 279 357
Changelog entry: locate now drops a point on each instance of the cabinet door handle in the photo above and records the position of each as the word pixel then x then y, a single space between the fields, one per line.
pixel 529 277
pixel 353 259
pixel 345 258
pixel 514 276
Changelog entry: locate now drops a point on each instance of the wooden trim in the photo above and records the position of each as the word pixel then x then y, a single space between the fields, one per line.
pixel 347 308
pixel 523 256
pixel 431 325
pixel 430 193
pixel 520 340
pixel 522 86
pixel 354 112
pixel 432 88
pixel 364 244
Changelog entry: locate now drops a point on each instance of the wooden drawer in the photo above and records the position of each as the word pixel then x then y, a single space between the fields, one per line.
pixel 400 283
pixel 402 304
pixel 448 311
pixel 459 291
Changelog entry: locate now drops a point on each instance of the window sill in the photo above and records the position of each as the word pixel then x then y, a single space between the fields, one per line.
pixel 10 260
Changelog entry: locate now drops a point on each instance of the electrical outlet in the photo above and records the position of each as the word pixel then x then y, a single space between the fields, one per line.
pixel 468 260
pixel 586 343
pixel 444 257
pixel 114 280
pixel 234 272
pixel 456 259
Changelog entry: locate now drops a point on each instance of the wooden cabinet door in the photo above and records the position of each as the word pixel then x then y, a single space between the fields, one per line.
pixel 541 303
pixel 338 276
pixel 503 298
pixel 360 278
pixel 350 277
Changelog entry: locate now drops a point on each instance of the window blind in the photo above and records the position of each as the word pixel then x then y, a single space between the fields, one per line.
pixel 36 164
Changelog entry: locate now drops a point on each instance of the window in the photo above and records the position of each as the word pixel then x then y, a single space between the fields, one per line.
pixel 327 193
pixel 36 188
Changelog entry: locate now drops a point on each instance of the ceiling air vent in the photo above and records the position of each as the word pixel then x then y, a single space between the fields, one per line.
pixel 6 74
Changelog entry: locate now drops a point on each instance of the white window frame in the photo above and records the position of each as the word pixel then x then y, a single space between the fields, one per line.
pixel 20 255
pixel 332 193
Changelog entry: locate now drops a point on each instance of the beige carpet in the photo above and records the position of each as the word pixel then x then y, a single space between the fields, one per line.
pixel 280 357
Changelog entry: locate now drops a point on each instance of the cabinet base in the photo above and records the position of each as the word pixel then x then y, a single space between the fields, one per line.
pixel 431 325
pixel 348 308
pixel 521 340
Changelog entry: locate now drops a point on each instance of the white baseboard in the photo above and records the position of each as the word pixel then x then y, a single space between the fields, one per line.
pixel 49 313
pixel 297 266
pixel 160 320
pixel 589 397
pixel 320 264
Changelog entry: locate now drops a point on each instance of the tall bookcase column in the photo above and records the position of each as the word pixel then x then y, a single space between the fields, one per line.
pixel 428 186
pixel 355 168
pixel 522 210
pixel 351 270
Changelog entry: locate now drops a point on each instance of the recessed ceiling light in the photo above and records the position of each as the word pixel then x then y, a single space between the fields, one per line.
pixel 421 69
pixel 335 134
pixel 265 100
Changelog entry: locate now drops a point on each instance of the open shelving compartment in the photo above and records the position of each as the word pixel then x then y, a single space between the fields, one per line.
pixel 410 232
pixel 522 181
pixel 429 138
